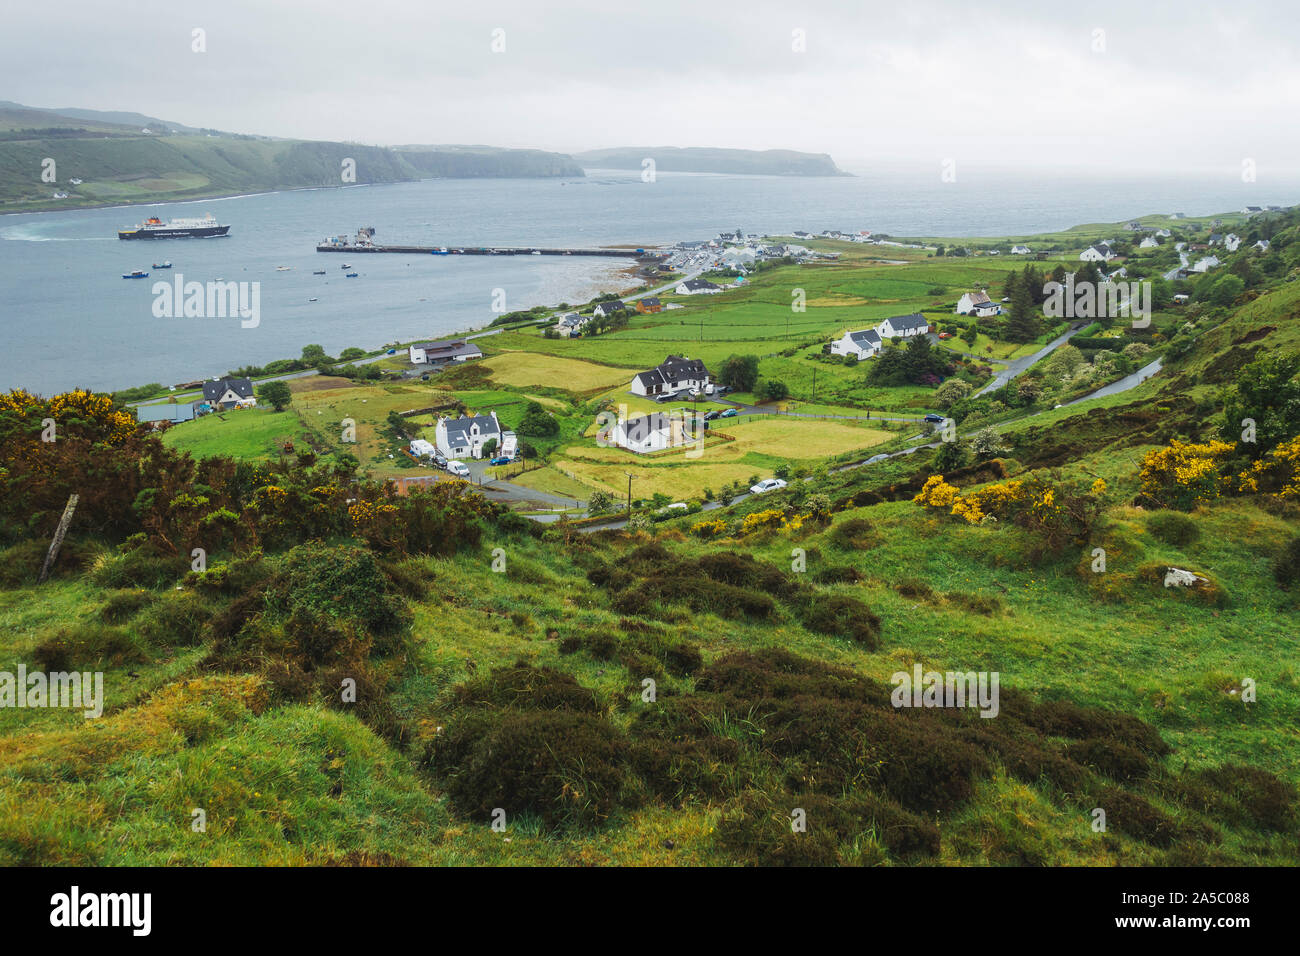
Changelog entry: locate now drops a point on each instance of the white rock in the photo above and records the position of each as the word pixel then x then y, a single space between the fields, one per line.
pixel 1177 577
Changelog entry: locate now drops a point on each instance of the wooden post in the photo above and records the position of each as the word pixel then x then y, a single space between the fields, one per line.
pixel 59 532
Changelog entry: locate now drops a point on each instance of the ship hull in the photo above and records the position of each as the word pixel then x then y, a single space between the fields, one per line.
pixel 197 232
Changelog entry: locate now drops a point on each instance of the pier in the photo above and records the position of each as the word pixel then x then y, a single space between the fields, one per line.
pixel 352 248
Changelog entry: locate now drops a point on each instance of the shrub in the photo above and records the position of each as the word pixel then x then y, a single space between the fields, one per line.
pixel 1286 567
pixel 143 567
pixel 854 534
pixel 1108 756
pixel 87 647
pixel 1173 527
pixel 842 615
pixel 565 767
pixel 177 619
pixel 121 606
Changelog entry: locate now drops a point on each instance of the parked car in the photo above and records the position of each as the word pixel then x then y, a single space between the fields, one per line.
pixel 945 335
pixel 767 484
pixel 710 416
pixel 934 419
pixel 501 460
pixel 391 352
pixel 728 413
pixel 709 389
pixel 458 468
pixel 663 398
pixel 440 461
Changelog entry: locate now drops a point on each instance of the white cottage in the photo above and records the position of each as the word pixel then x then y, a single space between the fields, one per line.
pixel 863 345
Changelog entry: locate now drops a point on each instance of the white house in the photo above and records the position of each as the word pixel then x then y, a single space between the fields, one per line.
pixel 697 287
pixel 673 375
pixel 1262 245
pixel 863 345
pixel 1020 250
pixel 229 393
pixel 1231 241
pixel 903 326
pixel 444 350
pixel 609 308
pixel 1163 233
pixel 1100 252
pixel 571 324
pixel 1150 242
pixel 977 303
pixel 653 432
pixel 1206 263
pixel 465 436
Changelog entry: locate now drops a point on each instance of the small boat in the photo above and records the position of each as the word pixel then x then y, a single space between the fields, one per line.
pixel 350 275
pixel 283 268
pixel 312 299
pixel 318 272
pixel 537 252
pixel 165 264
pixel 346 265
pixel 136 274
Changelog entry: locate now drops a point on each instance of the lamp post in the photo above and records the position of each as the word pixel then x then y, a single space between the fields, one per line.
pixel 630 476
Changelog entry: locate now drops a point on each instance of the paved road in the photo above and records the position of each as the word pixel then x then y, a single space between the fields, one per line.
pixel 1022 364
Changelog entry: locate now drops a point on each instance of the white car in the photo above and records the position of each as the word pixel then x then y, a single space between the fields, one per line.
pixel 767 484
pixel 458 468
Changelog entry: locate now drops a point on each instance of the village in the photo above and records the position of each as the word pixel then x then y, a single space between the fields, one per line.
pixel 742 359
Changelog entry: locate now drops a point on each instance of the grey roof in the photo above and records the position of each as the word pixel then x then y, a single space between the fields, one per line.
pixel 612 306
pixel 640 428
pixel 212 391
pixel 700 284
pixel 914 321
pixel 458 429
pixel 867 337
pixel 672 370
pixel 650 300
pixel 448 348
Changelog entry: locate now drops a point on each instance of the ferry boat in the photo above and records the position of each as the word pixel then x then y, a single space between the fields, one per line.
pixel 135 274
pixel 155 228
pixel 165 264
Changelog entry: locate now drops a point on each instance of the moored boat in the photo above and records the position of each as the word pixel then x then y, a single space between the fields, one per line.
pixel 165 264
pixel 135 274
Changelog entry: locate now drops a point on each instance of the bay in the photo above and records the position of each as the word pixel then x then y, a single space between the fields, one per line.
pixel 69 319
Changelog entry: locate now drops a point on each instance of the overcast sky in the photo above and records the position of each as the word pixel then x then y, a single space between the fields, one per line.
pixel 1163 85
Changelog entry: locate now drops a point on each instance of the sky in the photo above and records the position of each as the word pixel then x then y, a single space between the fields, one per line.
pixel 1153 86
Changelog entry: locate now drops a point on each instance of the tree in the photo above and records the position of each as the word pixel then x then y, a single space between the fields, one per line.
pixel 537 422
pixel 314 354
pixel 1022 323
pixel 1267 393
pixel 739 372
pixel 489 447
pixel 773 390
pixel 351 354
pixel 951 455
pixel 1226 290
pixel 599 503
pixel 276 394
pixel 986 443
pixel 951 392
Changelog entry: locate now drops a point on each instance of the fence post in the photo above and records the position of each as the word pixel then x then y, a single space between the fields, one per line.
pixel 57 541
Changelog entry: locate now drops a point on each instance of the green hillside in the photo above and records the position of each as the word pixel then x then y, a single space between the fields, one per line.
pixel 117 166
